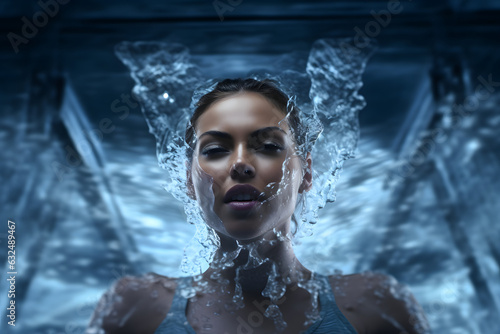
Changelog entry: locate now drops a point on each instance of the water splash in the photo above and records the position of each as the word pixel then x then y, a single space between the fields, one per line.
pixel 335 82
pixel 275 290
pixel 168 86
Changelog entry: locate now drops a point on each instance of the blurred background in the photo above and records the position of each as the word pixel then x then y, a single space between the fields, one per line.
pixel 80 179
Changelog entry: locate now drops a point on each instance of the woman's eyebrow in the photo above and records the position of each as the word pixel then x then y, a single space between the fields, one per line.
pixel 267 129
pixel 225 135
pixel 219 134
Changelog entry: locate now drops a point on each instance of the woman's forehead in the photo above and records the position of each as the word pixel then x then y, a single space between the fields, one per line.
pixel 240 112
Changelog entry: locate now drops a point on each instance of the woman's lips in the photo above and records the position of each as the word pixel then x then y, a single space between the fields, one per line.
pixel 242 197
pixel 242 205
pixel 242 192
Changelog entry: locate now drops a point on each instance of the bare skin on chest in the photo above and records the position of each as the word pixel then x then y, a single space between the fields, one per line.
pixel 208 315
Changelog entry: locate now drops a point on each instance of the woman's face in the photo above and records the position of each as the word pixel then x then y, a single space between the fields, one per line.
pixel 245 172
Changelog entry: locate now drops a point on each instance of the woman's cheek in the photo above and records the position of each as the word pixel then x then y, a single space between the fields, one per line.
pixel 273 171
pixel 206 187
pixel 218 173
pixel 202 182
pixel 290 181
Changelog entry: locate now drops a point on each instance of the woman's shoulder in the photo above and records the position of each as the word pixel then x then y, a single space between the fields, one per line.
pixel 378 303
pixel 135 304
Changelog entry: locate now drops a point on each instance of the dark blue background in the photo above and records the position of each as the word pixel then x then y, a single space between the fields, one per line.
pixel 79 174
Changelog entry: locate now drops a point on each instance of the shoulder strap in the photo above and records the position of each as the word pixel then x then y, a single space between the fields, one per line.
pixel 329 306
pixel 179 301
pixel 176 316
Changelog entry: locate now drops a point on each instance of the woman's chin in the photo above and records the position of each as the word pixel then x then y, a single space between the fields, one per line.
pixel 243 234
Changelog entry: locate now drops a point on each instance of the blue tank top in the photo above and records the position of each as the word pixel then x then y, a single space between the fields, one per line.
pixel 331 318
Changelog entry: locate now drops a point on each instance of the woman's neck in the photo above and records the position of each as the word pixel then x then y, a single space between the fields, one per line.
pixel 254 263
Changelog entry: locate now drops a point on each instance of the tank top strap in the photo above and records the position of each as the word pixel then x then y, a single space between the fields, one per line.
pixel 332 319
pixel 179 302
pixel 325 291
pixel 175 321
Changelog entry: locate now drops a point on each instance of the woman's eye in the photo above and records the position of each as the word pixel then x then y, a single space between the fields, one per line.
pixel 271 147
pixel 213 150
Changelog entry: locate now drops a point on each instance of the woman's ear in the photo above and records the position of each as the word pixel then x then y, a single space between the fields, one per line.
pixel 307 179
pixel 189 182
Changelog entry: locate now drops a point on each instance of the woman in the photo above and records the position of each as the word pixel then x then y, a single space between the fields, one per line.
pixel 247 170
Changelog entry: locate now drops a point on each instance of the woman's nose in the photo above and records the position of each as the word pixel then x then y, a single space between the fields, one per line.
pixel 242 168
